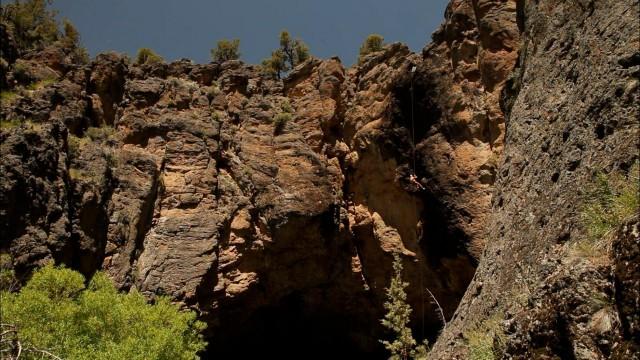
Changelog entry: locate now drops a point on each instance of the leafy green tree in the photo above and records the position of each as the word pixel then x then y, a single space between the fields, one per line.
pixel 32 23
pixel 55 313
pixel 403 346
pixel 226 50
pixel 147 56
pixel 34 26
pixel 371 44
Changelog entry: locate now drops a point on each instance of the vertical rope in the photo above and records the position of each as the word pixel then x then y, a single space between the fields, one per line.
pixel 415 207
pixel 413 132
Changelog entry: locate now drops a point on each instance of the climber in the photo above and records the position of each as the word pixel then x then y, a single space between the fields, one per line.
pixel 414 180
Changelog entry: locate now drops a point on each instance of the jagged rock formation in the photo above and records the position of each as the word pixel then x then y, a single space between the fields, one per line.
pixel 177 180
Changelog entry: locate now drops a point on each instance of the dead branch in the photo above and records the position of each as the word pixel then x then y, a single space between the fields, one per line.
pixel 437 304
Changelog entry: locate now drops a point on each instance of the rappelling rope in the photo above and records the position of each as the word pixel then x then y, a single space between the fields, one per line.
pixel 413 131
pixel 415 207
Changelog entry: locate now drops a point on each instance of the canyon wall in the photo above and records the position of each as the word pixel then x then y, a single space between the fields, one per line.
pixel 571 109
pixel 274 207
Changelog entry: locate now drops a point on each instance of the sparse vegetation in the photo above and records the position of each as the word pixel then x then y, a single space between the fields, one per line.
pixel 34 26
pixel 213 90
pixel 286 106
pixel 102 133
pixel 55 313
pixel 295 51
pixel 286 57
pixel 71 40
pixel 76 174
pixel 14 123
pixel 9 124
pixel 280 121
pixel 147 56
pixel 7 97
pixel 403 346
pixel 226 50
pixel 371 44
pixel 111 157
pixel 610 201
pixel 20 70
pixel 275 65
pixel 7 275
pixel 487 340
pixel 41 84
pixel 75 144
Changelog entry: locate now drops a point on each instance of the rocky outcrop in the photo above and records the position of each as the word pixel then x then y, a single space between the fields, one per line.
pixel 572 110
pixel 274 208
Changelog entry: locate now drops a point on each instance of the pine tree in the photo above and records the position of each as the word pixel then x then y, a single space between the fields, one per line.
pixel 275 65
pixel 295 51
pixel 403 346
pixel 397 317
pixel 286 57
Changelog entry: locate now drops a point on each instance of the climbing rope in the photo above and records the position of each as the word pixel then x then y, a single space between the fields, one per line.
pixel 415 207
pixel 413 132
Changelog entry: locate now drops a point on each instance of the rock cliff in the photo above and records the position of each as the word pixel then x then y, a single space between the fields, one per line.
pixel 274 207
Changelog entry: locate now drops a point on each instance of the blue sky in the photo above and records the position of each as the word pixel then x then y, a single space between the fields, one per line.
pixel 190 28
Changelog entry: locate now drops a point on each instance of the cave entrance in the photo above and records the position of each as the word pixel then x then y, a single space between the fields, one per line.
pixel 292 329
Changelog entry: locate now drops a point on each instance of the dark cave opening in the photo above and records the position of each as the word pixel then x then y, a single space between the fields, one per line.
pixel 292 329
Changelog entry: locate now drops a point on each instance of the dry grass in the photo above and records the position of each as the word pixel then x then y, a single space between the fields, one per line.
pixel 7 97
pixel 486 340
pixel 611 200
pixel 41 84
pixel 102 133
pixel 9 124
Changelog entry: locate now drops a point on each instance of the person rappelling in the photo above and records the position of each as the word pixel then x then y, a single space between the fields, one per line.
pixel 413 179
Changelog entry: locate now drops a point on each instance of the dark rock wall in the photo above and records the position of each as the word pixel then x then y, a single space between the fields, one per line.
pixel 572 110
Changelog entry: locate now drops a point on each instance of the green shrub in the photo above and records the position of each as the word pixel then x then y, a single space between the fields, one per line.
pixel 102 133
pixel 147 56
pixel 286 106
pixel 55 312
pixel 371 44
pixel 280 122
pixel 226 50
